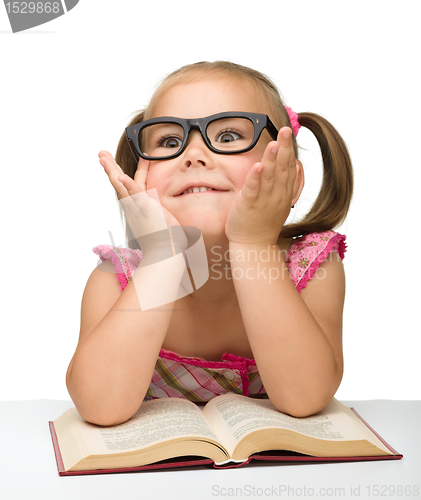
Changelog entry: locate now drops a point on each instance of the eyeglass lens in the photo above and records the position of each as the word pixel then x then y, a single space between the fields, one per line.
pixel 226 134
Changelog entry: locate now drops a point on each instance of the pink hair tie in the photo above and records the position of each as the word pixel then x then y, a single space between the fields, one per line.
pixel 293 118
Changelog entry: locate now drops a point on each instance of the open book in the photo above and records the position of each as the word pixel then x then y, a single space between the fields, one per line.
pixel 229 431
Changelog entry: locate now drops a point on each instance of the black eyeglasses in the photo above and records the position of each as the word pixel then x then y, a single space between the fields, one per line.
pixel 229 133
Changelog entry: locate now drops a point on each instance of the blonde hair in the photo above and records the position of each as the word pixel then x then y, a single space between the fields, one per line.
pixel 333 201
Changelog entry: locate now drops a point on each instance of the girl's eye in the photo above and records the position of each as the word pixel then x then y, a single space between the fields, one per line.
pixel 170 142
pixel 228 136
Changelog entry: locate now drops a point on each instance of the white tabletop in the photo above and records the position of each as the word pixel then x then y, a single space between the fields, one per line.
pixel 28 468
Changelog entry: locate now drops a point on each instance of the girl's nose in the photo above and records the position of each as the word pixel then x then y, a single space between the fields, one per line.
pixel 196 151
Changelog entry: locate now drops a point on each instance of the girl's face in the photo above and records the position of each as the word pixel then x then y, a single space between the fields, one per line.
pixel 207 211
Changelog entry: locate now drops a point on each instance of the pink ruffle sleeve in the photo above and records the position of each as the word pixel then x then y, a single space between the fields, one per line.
pixel 308 252
pixel 125 260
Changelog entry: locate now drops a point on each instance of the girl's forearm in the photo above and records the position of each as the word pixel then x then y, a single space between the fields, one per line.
pixel 112 368
pixel 296 360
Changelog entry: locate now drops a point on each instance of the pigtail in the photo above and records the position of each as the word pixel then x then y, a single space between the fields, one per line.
pixel 128 164
pixel 332 204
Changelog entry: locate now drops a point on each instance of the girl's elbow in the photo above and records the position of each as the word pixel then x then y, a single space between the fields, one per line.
pixel 106 418
pixel 106 411
pixel 301 408
pixel 305 405
pixel 308 408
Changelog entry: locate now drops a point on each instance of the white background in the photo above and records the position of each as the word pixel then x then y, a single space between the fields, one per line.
pixel 68 89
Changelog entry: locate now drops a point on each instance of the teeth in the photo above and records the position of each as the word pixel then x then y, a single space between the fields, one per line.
pixel 200 189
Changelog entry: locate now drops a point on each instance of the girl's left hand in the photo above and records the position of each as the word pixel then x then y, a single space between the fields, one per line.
pixel 261 208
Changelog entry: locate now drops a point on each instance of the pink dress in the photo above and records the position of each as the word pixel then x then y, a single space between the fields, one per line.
pixel 200 380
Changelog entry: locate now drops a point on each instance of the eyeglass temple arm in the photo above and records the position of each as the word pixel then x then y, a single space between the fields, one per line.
pixel 273 131
pixel 133 149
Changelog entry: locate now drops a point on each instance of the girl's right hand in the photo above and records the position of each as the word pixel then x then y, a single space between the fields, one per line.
pixel 146 217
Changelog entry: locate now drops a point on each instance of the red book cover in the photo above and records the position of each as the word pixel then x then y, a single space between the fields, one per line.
pixel 192 461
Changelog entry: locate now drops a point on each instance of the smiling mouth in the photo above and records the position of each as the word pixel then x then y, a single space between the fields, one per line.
pixel 202 192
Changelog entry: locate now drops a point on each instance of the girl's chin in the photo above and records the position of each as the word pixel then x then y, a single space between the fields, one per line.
pixel 206 231
pixel 201 215
pixel 210 228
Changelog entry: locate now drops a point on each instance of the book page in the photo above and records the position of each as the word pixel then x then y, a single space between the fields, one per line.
pixel 156 421
pixel 235 416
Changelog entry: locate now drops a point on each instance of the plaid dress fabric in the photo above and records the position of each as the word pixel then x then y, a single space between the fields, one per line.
pixel 197 379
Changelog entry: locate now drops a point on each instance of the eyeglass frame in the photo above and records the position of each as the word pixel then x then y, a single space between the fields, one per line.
pixel 259 120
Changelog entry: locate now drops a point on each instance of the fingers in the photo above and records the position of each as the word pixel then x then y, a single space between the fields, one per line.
pixel 139 197
pixel 137 187
pixel 113 170
pixel 276 173
pixel 141 173
pixel 131 186
pixel 144 215
pixel 107 160
pixel 276 170
pixel 279 165
pixel 251 187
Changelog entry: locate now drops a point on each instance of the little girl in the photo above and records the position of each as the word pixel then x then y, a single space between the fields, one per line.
pixel 268 321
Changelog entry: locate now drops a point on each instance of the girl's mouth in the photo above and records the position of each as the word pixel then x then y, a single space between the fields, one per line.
pixel 201 190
